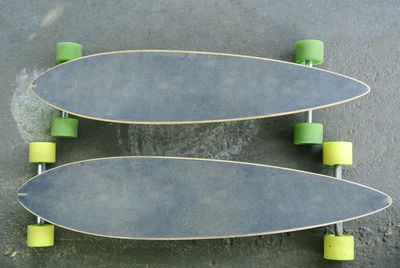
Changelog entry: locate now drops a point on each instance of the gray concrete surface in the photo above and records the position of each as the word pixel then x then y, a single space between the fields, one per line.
pixel 361 40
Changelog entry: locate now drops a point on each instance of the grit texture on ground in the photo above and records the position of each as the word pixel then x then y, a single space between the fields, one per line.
pixel 361 40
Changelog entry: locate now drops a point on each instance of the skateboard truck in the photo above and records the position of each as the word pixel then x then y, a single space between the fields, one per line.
pixel 338 246
pixel 41 169
pixel 309 112
pixel 309 52
pixel 65 127
pixel 41 234
pixel 339 225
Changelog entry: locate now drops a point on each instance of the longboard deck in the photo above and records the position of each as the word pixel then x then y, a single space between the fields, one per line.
pixel 171 87
pixel 165 198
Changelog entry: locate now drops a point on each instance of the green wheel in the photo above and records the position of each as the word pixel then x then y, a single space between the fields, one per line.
pixel 308 133
pixel 40 235
pixel 340 248
pixel 337 153
pixel 68 51
pixel 309 50
pixel 64 127
pixel 42 152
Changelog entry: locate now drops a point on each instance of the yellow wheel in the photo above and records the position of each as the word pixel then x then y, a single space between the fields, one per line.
pixel 337 153
pixel 340 248
pixel 42 152
pixel 40 235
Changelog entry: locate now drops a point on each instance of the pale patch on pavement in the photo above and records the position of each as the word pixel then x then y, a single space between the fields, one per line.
pixel 32 116
pixel 216 141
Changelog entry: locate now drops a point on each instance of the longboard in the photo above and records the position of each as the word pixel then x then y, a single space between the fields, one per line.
pixel 180 87
pixel 168 198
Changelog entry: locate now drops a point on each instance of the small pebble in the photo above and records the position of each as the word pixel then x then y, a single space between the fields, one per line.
pixel 8 251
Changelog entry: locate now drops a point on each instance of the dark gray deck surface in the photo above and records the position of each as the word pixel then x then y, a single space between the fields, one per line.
pixel 166 198
pixel 180 87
